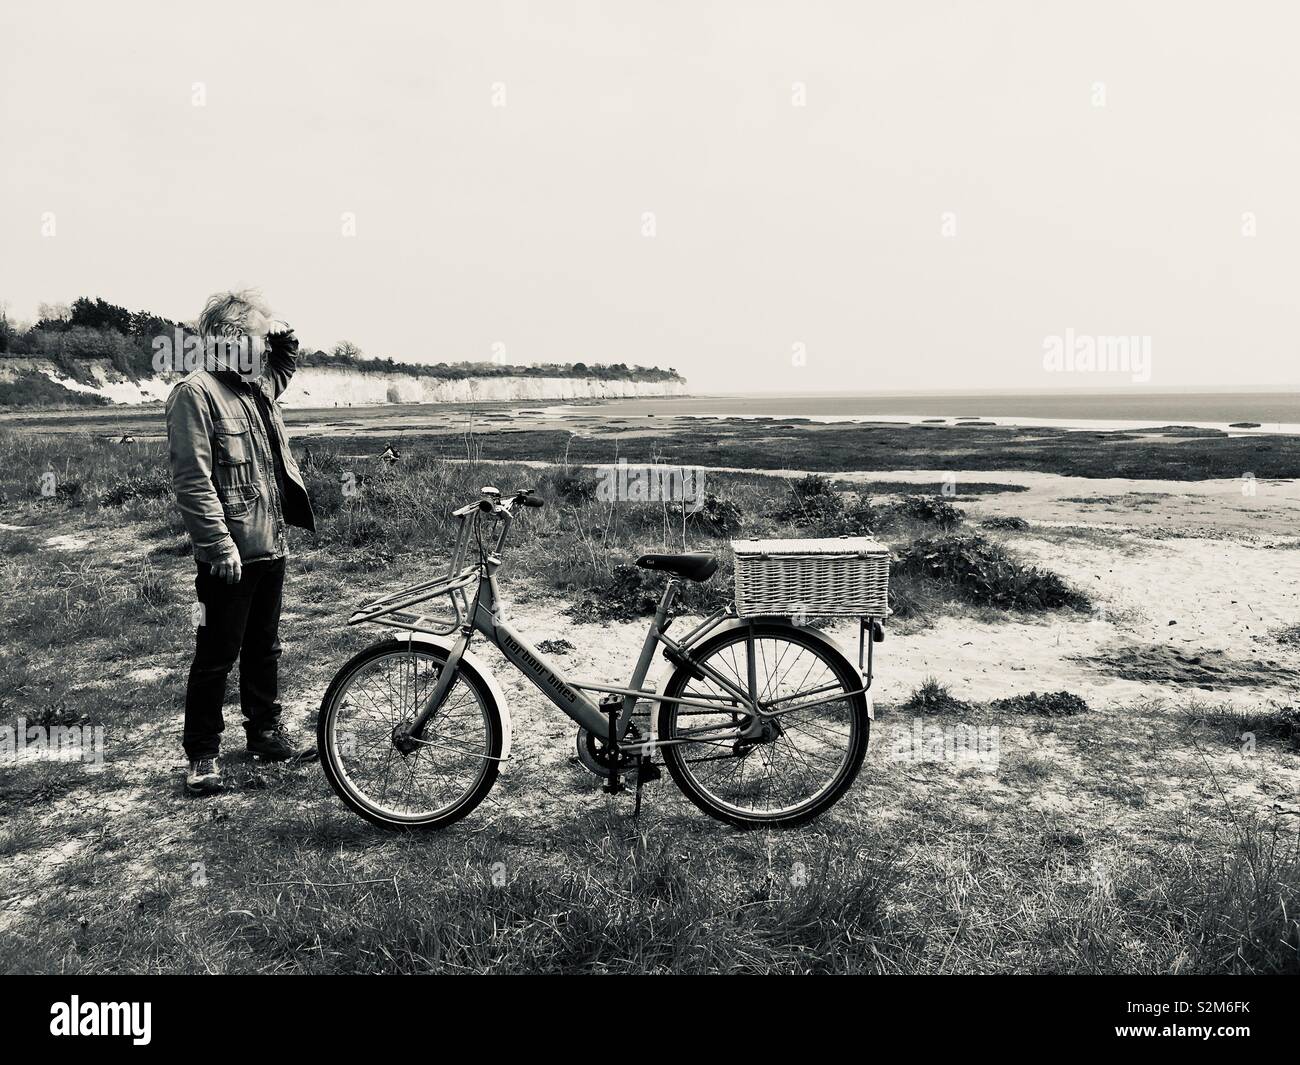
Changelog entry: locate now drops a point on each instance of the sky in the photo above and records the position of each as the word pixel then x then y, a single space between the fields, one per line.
pixel 794 196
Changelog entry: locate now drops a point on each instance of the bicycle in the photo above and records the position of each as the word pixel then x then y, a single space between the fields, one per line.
pixel 761 722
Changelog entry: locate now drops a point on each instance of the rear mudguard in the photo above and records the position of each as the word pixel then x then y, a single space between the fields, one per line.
pixel 828 642
pixel 474 664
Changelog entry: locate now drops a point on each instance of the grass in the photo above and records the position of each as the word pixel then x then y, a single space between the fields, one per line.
pixel 1167 455
pixel 1112 841
pixel 1232 725
pixel 1164 453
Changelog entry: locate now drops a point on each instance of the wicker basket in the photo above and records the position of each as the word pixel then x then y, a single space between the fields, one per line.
pixel 845 576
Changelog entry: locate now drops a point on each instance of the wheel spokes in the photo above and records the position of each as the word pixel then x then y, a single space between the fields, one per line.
pixel 446 762
pixel 803 748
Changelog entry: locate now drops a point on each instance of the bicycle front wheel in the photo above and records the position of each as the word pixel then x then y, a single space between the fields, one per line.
pixel 427 782
pixel 807 755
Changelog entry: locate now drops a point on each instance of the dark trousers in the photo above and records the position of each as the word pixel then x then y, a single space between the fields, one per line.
pixel 237 622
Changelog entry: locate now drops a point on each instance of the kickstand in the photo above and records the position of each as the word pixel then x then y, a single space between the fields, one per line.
pixel 645 770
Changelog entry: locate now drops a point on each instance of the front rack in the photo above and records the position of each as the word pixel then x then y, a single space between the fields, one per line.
pixel 393 609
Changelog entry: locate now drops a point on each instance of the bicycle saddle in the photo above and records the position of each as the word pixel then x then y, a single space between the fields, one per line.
pixel 694 566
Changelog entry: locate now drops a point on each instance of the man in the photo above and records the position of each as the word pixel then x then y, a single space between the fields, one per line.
pixel 238 487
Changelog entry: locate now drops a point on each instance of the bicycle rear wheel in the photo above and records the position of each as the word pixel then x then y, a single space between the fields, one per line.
pixel 809 755
pixel 436 779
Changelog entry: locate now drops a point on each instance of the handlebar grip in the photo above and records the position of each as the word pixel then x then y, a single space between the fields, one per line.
pixel 532 501
pixel 485 505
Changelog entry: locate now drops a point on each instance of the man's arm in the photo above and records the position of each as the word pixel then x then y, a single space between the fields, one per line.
pixel 189 445
pixel 282 360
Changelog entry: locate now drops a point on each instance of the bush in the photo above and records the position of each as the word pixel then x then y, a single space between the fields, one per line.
pixel 325 490
pixel 1049 704
pixel 626 595
pixel 715 517
pixel 814 505
pixel 144 486
pixel 984 573
pixel 930 510
pixel 1274 722
pixel 569 488
pixel 934 698
pixel 1005 522
pixel 68 491
pixel 630 592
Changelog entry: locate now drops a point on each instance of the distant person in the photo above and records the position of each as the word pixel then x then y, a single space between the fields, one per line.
pixel 238 487
pixel 390 455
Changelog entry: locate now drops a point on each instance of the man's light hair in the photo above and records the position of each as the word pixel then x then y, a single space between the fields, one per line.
pixel 229 314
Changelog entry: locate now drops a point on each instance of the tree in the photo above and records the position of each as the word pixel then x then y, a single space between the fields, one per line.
pixel 99 314
pixel 52 315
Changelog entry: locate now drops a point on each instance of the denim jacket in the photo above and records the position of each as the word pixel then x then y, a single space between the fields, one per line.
pixel 224 464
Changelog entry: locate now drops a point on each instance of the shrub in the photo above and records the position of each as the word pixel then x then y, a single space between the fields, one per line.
pixel 630 592
pixel 143 486
pixel 325 490
pixel 984 573
pixel 1049 704
pixel 715 517
pixel 862 517
pixel 814 505
pixel 570 488
pixel 934 698
pixel 627 594
pixel 930 510
pixel 69 492
pixel 1005 522
pixel 1274 722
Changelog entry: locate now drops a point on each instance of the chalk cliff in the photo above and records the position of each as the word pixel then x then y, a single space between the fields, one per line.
pixel 328 386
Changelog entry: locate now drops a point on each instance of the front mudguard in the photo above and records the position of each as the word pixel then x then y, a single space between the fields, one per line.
pixel 476 665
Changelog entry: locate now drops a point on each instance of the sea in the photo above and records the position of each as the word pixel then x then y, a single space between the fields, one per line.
pixel 1230 411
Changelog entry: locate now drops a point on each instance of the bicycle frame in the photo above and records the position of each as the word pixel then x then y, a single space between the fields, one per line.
pixel 483 615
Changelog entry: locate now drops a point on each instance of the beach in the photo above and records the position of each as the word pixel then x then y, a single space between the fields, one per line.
pixel 1182 649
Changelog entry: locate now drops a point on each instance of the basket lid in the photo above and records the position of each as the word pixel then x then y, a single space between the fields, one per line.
pixel 821 545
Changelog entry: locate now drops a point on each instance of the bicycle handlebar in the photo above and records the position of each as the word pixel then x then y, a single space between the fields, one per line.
pixel 524 497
